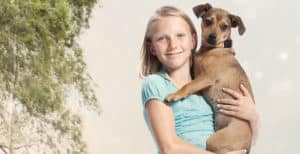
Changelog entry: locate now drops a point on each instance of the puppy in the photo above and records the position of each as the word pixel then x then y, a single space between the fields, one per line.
pixel 215 67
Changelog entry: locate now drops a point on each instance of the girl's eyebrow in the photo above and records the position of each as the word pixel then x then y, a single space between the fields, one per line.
pixel 160 35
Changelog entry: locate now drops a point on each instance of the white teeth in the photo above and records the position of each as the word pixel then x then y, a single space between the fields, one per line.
pixel 178 52
pixel 175 53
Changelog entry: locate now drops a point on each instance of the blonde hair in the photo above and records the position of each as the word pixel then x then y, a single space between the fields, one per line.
pixel 149 63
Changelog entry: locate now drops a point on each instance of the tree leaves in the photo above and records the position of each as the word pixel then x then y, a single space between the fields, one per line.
pixel 40 63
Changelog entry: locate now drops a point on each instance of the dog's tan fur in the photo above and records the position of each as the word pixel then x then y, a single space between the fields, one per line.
pixel 215 67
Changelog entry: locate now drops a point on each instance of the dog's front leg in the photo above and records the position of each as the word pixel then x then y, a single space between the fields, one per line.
pixel 194 86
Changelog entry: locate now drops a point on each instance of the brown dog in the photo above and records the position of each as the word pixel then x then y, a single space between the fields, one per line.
pixel 215 67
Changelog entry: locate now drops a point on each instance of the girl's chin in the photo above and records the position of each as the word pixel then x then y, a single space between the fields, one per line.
pixel 175 65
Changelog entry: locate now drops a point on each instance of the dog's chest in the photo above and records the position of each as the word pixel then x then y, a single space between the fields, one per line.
pixel 205 63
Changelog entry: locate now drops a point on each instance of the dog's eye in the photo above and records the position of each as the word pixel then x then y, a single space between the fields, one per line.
pixel 224 27
pixel 207 22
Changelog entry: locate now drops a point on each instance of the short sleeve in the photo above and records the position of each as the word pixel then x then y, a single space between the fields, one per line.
pixel 153 87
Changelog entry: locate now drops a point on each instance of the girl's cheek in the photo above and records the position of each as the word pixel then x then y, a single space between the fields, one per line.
pixel 160 45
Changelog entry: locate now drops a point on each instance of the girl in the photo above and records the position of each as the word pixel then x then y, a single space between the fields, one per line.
pixel 184 126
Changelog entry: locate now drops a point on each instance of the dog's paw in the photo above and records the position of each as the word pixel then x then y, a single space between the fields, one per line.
pixel 172 98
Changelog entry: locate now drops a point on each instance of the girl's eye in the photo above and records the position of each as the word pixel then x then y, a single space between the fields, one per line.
pixel 207 22
pixel 224 27
pixel 161 38
pixel 181 35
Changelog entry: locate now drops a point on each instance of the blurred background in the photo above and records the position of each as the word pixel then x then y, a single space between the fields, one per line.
pixel 268 51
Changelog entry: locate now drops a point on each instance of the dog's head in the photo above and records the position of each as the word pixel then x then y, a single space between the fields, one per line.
pixel 216 25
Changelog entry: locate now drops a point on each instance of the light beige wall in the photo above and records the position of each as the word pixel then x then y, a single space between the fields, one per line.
pixel 269 52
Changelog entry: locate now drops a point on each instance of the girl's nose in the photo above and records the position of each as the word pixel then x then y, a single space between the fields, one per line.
pixel 173 43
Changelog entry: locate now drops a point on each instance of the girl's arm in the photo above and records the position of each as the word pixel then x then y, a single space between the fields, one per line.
pixel 242 106
pixel 163 128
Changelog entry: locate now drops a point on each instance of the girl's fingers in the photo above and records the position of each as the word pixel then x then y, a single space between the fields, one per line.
pixel 228 107
pixel 227 101
pixel 232 93
pixel 244 90
pixel 237 152
pixel 231 113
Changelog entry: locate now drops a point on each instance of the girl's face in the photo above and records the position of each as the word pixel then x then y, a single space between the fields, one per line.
pixel 172 42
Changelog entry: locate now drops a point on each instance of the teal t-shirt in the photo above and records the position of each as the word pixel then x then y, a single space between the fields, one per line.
pixel 193 116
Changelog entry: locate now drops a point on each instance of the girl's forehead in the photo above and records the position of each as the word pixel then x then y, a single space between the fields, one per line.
pixel 170 22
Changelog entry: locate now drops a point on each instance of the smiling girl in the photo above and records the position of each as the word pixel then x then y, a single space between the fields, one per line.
pixel 184 126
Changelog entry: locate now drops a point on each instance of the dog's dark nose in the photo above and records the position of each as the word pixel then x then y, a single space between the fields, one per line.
pixel 212 36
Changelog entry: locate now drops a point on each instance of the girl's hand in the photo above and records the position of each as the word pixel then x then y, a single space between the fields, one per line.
pixel 237 152
pixel 241 106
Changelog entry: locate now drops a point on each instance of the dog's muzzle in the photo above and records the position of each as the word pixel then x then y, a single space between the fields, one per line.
pixel 212 39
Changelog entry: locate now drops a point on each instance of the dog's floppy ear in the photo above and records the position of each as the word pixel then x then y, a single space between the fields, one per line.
pixel 200 10
pixel 237 21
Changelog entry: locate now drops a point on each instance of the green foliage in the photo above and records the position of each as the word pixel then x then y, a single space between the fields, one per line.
pixel 39 56
pixel 40 60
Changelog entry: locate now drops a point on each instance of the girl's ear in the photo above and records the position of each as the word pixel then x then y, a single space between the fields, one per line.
pixel 152 51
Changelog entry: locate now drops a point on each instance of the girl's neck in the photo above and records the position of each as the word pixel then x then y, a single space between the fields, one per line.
pixel 180 77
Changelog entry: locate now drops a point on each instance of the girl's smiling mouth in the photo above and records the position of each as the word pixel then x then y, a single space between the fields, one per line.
pixel 174 53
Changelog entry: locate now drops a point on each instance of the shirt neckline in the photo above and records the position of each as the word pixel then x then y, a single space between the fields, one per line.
pixel 164 74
